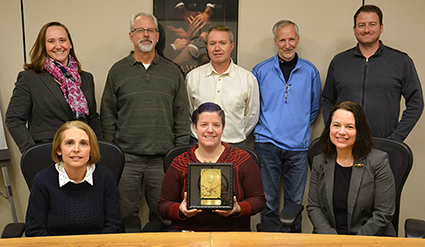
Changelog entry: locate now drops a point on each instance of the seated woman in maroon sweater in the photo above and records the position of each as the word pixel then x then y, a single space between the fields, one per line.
pixel 249 199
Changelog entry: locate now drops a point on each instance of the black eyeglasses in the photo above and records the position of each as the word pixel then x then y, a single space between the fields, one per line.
pixel 142 30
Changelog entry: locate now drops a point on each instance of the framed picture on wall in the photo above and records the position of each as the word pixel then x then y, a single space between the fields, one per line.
pixel 184 24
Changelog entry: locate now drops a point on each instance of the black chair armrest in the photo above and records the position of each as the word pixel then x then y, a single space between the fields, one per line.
pixel 13 230
pixel 154 226
pixel 131 224
pixel 264 227
pixel 289 215
pixel 414 228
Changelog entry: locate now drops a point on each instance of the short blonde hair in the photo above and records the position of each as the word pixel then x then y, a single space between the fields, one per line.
pixel 94 146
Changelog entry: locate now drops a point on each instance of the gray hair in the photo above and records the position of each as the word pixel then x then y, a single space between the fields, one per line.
pixel 133 18
pixel 284 23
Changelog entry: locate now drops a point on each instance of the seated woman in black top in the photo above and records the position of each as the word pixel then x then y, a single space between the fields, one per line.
pixel 74 196
pixel 352 188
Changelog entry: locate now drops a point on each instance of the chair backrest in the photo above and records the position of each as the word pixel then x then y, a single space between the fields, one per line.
pixel 400 157
pixel 173 153
pixel 34 160
pixel 314 149
pixel 253 154
pixel 112 157
pixel 39 157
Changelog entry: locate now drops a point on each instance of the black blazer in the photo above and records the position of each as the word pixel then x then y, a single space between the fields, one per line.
pixel 38 100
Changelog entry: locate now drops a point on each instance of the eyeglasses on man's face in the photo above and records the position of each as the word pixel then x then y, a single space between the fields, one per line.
pixel 142 30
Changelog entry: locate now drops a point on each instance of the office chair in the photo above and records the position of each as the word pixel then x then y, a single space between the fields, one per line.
pixel 414 228
pixel 173 153
pixel 13 230
pixel 39 157
pixel 253 154
pixel 400 157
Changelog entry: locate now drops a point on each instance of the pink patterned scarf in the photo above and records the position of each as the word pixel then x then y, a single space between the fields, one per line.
pixel 70 81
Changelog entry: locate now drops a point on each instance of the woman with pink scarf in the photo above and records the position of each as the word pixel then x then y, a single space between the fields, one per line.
pixel 50 91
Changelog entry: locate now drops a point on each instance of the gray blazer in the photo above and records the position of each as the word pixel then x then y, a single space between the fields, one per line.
pixel 38 100
pixel 371 196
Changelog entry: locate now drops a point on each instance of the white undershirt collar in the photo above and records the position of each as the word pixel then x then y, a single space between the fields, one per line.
pixel 64 179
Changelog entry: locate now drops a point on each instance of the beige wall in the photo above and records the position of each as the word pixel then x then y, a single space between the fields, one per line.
pixel 100 33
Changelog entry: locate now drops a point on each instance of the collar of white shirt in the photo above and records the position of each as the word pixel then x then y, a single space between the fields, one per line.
pixel 64 179
pixel 229 72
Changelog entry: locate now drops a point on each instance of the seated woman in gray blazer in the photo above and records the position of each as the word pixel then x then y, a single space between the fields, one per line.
pixel 51 91
pixel 352 188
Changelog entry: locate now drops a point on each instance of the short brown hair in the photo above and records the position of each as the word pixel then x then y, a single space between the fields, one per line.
pixel 94 146
pixel 369 9
pixel 363 143
pixel 222 28
pixel 38 51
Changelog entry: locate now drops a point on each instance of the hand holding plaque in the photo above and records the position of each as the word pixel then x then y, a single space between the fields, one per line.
pixel 227 212
pixel 184 211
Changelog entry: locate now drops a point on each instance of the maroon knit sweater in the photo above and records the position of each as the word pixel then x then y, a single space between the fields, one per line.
pixel 247 187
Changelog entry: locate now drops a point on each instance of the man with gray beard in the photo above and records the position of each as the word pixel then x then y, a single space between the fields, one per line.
pixel 144 111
